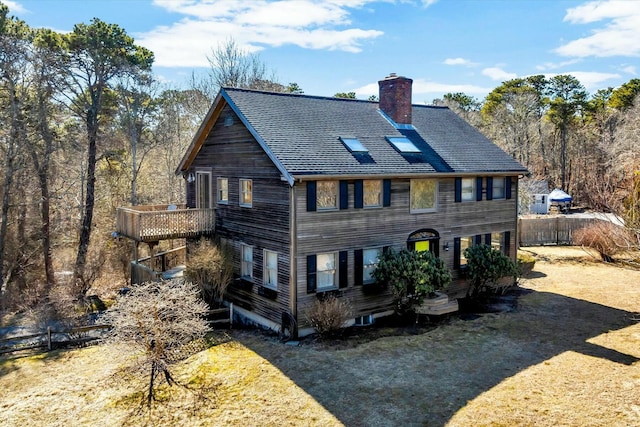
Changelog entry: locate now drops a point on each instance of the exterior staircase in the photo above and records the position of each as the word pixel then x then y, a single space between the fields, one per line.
pixel 439 305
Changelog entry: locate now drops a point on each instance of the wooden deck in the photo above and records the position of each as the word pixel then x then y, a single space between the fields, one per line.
pixel 153 223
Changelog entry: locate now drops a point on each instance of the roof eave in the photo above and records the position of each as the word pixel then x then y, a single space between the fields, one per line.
pixel 316 176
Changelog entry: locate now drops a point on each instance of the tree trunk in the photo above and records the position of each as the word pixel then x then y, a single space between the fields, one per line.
pixel 42 169
pixel 87 219
pixel 16 123
pixel 563 157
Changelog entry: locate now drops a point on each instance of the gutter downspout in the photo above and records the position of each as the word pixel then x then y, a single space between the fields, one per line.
pixel 293 261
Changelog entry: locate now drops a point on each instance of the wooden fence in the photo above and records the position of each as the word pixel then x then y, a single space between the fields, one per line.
pixel 46 340
pixel 553 230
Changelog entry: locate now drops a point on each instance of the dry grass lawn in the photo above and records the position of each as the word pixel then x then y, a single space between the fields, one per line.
pixel 568 356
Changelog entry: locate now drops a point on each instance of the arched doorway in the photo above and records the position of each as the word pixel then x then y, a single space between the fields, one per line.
pixel 425 239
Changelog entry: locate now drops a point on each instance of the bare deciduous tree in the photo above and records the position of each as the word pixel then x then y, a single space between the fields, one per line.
pixel 157 320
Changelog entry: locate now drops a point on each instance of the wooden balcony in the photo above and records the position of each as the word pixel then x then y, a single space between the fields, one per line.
pixel 162 222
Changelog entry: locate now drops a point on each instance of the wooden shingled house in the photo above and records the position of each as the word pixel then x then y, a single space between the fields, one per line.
pixel 308 190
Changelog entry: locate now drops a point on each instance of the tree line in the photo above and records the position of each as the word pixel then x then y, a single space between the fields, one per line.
pixel 583 144
pixel 88 128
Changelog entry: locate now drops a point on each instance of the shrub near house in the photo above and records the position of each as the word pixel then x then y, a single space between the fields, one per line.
pixel 486 266
pixel 412 276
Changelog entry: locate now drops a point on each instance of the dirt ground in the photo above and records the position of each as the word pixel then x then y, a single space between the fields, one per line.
pixel 567 355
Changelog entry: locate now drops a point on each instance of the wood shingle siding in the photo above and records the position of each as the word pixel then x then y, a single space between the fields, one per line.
pixel 231 152
pixel 354 229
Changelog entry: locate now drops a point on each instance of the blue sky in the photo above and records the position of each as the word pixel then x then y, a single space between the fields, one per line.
pixel 330 46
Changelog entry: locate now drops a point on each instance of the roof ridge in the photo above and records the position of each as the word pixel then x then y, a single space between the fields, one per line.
pixel 297 95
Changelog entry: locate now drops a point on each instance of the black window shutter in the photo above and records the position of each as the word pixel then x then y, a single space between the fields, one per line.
pixel 507 243
pixel 358 264
pixel 458 190
pixel 358 194
pixel 489 188
pixel 386 192
pixel 343 269
pixel 507 188
pixel 477 239
pixel 456 252
pixel 344 195
pixel 311 196
pixel 479 188
pixel 311 274
pixel 487 239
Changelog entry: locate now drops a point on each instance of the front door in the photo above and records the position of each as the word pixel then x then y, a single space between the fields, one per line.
pixel 425 239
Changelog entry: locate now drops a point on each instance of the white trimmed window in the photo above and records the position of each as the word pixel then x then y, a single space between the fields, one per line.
pixel 246 193
pixel 468 193
pixel 326 271
pixel 498 188
pixel 223 190
pixel 203 190
pixel 424 195
pixel 465 242
pixel 370 259
pixel 372 193
pixel 327 195
pixel 246 264
pixel 270 279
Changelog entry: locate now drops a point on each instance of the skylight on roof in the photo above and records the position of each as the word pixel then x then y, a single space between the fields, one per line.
pixel 402 144
pixel 354 145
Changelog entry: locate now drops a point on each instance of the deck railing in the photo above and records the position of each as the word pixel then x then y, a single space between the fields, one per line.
pixel 152 223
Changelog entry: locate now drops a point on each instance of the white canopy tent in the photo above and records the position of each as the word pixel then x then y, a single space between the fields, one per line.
pixel 560 199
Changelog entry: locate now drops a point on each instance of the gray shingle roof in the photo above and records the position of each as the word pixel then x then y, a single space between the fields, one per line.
pixel 303 133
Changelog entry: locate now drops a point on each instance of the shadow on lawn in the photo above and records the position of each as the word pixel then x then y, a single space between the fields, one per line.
pixel 425 379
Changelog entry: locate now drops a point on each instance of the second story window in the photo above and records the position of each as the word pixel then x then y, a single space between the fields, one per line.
pixel 424 195
pixel 246 193
pixel 327 195
pixel 468 189
pixel 372 193
pixel 498 188
pixel 223 190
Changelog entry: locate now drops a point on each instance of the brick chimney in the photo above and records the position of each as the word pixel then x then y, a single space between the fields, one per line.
pixel 395 98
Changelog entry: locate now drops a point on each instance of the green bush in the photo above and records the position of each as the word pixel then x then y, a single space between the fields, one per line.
pixel 487 269
pixel 412 276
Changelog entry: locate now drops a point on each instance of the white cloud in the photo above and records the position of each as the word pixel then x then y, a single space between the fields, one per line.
pixel 629 69
pixel 498 74
pixel 591 80
pixel 617 37
pixel 14 7
pixel 555 65
pixel 305 23
pixel 458 61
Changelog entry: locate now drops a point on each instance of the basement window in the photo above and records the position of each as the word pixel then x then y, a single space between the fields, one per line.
pixel 402 144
